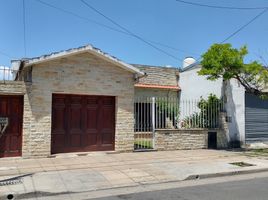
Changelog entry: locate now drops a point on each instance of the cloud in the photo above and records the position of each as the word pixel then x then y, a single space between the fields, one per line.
pixel 5 73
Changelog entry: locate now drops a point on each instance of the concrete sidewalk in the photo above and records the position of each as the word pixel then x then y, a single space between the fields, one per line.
pixel 70 173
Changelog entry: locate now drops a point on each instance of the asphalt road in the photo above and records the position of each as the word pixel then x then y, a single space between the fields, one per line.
pixel 252 189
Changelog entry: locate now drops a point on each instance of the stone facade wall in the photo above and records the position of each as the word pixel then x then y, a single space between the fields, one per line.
pixel 176 139
pixel 79 74
pixel 12 87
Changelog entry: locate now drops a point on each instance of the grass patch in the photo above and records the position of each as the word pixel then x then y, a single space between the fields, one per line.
pixel 260 151
pixel 257 152
pixel 143 144
pixel 241 164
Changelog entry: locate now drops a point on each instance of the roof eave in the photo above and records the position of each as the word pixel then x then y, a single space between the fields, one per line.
pixel 83 49
pixel 154 86
pixel 192 66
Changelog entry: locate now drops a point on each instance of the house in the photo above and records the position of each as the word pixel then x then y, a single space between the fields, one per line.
pixel 158 82
pixel 246 114
pixel 77 100
pixel 71 101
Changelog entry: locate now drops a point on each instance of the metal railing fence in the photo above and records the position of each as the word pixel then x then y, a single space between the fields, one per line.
pixel 8 74
pixel 170 113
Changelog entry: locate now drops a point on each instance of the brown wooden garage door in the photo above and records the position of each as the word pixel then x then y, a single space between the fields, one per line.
pixel 11 141
pixel 82 123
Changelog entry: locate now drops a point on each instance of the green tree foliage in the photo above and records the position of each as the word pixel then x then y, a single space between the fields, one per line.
pixel 210 110
pixel 224 61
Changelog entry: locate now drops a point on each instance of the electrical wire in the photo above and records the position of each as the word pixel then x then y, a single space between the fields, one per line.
pixel 109 27
pixel 221 7
pixel 131 33
pixel 148 42
pixel 79 16
pixel 242 27
pixel 5 54
pixel 245 25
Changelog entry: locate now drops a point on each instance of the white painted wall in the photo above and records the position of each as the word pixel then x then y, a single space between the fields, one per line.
pixel 235 107
pixel 194 86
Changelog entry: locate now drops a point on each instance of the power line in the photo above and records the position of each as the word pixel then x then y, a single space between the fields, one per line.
pixel 173 48
pixel 79 16
pixel 245 25
pixel 109 27
pixel 5 54
pixel 24 27
pixel 221 7
pixel 128 31
pixel 241 28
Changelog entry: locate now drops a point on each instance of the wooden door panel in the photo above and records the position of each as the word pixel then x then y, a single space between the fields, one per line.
pixel 14 142
pixel 91 126
pixel 57 141
pixel 92 118
pixel 75 140
pixel 88 123
pixel 107 137
pixel 11 141
pixel 59 117
pixel 58 123
pixel 107 127
pixel 75 118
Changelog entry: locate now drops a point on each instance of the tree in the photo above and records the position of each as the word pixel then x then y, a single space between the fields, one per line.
pixel 224 61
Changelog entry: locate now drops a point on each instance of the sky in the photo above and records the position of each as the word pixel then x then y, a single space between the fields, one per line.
pixel 189 30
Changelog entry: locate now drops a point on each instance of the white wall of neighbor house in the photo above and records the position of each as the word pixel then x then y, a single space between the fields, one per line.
pixel 235 107
pixel 194 86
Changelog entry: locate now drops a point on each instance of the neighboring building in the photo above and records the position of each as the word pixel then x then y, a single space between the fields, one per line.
pixel 158 82
pixel 197 86
pixel 246 114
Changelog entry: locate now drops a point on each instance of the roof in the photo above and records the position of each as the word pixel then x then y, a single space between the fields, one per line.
pixel 140 85
pixel 192 66
pixel 158 77
pixel 87 48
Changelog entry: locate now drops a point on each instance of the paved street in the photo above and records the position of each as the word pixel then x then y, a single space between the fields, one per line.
pixel 72 174
pixel 252 189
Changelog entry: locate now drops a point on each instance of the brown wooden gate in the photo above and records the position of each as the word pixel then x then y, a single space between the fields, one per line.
pixel 11 140
pixel 82 123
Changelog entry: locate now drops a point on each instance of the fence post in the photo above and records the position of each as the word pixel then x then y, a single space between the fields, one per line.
pixel 153 120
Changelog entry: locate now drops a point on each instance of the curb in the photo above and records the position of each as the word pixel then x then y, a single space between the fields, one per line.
pixel 222 174
pixel 191 177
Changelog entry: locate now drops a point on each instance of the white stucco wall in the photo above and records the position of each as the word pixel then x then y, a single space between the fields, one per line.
pixel 194 86
pixel 235 107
